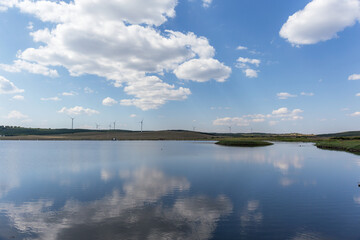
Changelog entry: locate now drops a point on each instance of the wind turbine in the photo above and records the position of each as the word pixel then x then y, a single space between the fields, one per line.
pixel 72 122
pixel 114 124
pixel 193 129
pixel 230 129
pixel 97 126
pixel 141 123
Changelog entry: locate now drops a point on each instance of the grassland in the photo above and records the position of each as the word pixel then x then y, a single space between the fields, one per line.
pixel 243 142
pixel 118 135
pixel 348 145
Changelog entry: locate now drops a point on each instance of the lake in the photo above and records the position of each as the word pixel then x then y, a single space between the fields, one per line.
pixel 176 190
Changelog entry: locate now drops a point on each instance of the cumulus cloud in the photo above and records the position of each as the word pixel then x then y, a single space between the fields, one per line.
pixel 235 121
pixel 18 97
pixel 320 20
pixel 354 77
pixel 151 93
pixel 50 99
pixel 242 60
pixel 355 114
pixel 16 115
pixel 78 111
pixel 206 3
pixel 133 115
pixel 35 68
pixel 243 63
pixel 109 101
pixel 251 73
pixel 281 114
pixel 285 95
pixel 286 115
pixel 280 111
pixel 7 87
pixel 241 48
pixel 202 70
pixel 119 41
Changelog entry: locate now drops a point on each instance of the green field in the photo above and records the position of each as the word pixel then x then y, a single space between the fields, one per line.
pixel 348 145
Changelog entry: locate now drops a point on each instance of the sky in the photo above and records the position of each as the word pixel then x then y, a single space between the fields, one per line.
pixel 206 65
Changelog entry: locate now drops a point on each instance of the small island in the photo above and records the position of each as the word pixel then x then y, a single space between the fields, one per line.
pixel 243 143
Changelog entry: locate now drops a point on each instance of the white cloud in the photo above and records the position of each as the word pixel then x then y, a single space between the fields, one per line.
pixel 50 99
pixel 206 3
pixel 242 60
pixel 355 114
pixel 119 41
pixel 151 93
pixel 251 73
pixel 280 111
pixel 35 68
pixel 241 48
pixel 18 97
pixel 256 120
pixel 287 115
pixel 243 63
pixel 358 94
pixel 202 70
pixel 235 121
pixel 77 111
pixel 16 115
pixel 354 77
pixel 320 20
pixel 88 90
pixel 307 94
pixel 133 115
pixel 134 12
pixel 72 93
pixel 285 95
pixel 109 101
pixel 7 87
pixel 281 114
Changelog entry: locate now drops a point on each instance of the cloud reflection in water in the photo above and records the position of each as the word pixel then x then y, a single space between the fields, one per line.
pixel 137 211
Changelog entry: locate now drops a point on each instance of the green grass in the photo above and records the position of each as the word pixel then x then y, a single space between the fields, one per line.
pixel 341 145
pixel 243 142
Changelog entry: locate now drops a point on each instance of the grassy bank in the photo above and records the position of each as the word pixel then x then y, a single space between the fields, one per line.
pixel 348 145
pixel 119 135
pixel 243 143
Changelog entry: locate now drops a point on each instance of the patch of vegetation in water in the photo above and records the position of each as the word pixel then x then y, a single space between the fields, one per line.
pixel 243 143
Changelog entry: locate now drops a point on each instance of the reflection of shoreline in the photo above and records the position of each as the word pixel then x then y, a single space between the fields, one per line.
pixel 283 162
pixel 136 212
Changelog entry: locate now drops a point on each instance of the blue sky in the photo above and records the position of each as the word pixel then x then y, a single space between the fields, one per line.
pixel 255 65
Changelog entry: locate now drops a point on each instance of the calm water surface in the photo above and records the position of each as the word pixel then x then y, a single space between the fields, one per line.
pixel 176 190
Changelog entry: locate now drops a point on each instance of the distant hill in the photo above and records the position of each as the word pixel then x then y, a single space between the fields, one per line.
pixel 115 135
pixel 9 132
pixel 341 134
pixel 20 131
